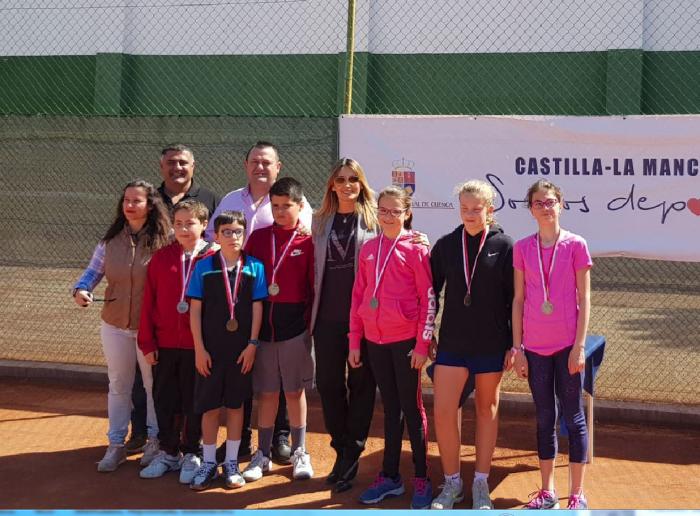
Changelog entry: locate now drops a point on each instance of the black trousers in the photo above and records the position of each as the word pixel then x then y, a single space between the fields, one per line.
pixel 179 428
pixel 347 401
pixel 400 388
pixel 138 402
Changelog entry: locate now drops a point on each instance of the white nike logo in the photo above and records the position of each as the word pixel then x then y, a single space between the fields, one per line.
pixel 492 254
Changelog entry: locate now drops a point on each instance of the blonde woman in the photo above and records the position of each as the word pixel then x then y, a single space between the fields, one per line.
pixel 346 219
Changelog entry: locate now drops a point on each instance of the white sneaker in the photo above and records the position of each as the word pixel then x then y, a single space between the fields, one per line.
pixel 302 465
pixel 480 495
pixel 150 450
pixel 114 456
pixel 232 475
pixel 258 465
pixel 452 493
pixel 190 465
pixel 161 464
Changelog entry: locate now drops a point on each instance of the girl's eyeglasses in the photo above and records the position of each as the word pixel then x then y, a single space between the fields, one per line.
pixel 341 180
pixel 396 213
pixel 549 203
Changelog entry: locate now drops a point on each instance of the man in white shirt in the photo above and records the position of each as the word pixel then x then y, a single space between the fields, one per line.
pixel 262 166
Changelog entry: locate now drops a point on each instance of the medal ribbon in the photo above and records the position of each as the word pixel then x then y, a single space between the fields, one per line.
pixel 377 273
pixel 469 276
pixel 275 263
pixel 187 274
pixel 231 298
pixel 546 281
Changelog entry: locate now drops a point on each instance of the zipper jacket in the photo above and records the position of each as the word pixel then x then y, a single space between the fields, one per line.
pixel 161 325
pixel 407 304
pixel 287 314
pixel 484 327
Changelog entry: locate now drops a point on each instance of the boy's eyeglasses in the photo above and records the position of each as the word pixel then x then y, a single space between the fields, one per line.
pixel 549 203
pixel 341 180
pixel 394 213
pixel 228 233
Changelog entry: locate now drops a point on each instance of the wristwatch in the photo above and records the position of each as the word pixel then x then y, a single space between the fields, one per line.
pixel 254 342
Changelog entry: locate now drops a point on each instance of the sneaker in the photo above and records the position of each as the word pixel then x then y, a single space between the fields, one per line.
pixel 232 475
pixel 161 464
pixel 452 493
pixel 204 476
pixel 543 499
pixel 190 464
pixel 114 456
pixel 258 465
pixel 481 495
pixel 150 450
pixel 135 444
pixel 302 465
pixel 577 502
pixel 282 452
pixel 422 493
pixel 381 488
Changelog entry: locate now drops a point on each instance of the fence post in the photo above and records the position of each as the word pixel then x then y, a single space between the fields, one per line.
pixel 350 58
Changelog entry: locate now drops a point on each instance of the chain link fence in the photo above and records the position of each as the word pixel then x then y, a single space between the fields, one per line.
pixel 90 91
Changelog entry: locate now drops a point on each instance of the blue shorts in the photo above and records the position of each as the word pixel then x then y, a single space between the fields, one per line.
pixel 475 364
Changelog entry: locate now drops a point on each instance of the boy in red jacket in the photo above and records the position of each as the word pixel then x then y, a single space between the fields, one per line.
pixel 284 356
pixel 166 341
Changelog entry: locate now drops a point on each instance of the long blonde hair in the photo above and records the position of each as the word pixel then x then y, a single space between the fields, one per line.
pixel 365 205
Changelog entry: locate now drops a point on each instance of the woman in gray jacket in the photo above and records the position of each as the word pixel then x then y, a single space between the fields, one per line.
pixel 346 219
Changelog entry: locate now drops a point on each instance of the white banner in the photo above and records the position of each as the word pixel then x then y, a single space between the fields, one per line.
pixel 631 185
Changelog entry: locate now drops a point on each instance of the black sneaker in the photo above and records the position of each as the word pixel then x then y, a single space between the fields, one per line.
pixel 334 475
pixel 135 444
pixel 347 473
pixel 281 452
pixel 204 476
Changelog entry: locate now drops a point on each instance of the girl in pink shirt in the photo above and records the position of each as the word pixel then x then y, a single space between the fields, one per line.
pixel 393 310
pixel 551 306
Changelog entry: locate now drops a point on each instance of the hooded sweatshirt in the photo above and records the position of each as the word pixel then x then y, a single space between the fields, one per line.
pixel 484 327
pixel 407 304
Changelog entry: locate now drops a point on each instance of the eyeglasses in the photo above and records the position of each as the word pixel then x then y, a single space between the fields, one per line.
pixel 341 180
pixel 228 233
pixel 396 213
pixel 549 203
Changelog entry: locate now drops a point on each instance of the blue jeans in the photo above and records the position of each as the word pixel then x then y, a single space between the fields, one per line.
pixel 549 376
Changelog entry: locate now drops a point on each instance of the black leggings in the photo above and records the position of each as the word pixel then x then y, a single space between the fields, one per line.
pixel 399 385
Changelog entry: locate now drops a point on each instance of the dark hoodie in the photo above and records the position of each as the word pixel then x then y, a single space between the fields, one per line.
pixel 483 328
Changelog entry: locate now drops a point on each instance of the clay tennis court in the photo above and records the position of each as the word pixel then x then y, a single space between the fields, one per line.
pixel 53 433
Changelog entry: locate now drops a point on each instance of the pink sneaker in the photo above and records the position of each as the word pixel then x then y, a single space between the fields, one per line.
pixel 543 499
pixel 577 502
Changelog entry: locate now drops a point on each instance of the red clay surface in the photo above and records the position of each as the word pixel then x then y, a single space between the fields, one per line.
pixel 52 435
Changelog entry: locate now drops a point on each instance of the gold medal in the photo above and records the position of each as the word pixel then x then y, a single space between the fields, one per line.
pixel 232 324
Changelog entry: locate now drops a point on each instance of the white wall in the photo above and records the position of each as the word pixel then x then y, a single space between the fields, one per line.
pixel 84 27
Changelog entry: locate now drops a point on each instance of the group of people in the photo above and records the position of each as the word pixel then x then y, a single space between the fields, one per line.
pixel 244 301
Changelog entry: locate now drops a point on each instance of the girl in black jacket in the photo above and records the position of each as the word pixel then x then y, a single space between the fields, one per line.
pixel 475 264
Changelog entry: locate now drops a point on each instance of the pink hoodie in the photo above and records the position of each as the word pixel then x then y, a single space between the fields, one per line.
pixel 407 305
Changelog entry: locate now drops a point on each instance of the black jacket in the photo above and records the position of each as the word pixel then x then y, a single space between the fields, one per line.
pixel 483 328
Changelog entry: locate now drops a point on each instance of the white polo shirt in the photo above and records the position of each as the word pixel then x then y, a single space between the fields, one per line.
pixel 260 217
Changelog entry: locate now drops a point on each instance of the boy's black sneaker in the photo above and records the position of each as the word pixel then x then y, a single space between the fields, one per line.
pixel 281 452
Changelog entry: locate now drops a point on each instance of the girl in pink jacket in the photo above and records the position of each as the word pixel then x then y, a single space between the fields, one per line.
pixel 393 310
